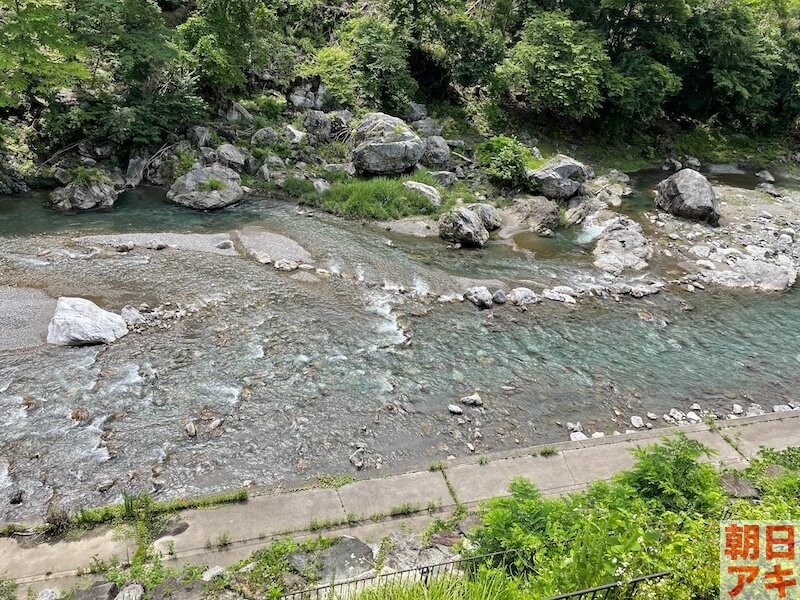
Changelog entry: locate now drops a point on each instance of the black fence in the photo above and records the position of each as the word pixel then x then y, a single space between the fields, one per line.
pixel 346 589
pixel 342 590
pixel 619 590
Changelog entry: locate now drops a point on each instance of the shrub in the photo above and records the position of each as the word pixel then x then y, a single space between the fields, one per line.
pixel 211 184
pixel 557 67
pixel 380 198
pixel 84 176
pixel 505 160
pixel 334 66
pixel 268 106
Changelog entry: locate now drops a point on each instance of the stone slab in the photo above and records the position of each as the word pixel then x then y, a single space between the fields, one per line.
pixel 474 483
pixel 777 433
pixel 379 496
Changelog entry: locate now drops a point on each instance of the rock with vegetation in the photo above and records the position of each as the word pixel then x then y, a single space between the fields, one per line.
pixel 688 194
pixel 347 558
pixel 384 145
pixel 430 192
pixel 621 246
pixel 318 126
pixel 264 137
pixel 90 189
pixel 238 114
pixel 463 226
pixel 207 188
pixel 80 322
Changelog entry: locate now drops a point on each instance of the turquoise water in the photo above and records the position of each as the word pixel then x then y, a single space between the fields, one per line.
pixel 305 370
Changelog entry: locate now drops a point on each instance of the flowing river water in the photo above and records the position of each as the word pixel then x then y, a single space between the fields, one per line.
pixel 287 376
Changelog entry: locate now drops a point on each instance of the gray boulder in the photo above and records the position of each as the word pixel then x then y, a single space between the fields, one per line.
pixel 207 188
pixel 688 194
pixel 132 591
pixel 231 156
pixel 308 95
pixel 264 136
pixel 539 214
pixel 569 168
pixel 349 557
pixel 293 135
pixel 99 590
pixel 135 173
pixel 318 126
pixel 488 214
pixel 430 192
pixel 445 178
pixel 80 322
pixel 416 111
pixel 426 127
pixel 437 152
pixel 463 226
pixel 77 196
pixel 622 246
pixel 385 145
pixel 199 135
pixel 552 185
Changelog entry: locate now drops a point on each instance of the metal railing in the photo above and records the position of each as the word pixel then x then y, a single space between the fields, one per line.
pixel 619 590
pixel 342 590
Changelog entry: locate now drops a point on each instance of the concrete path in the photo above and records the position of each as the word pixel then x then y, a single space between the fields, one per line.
pixel 369 508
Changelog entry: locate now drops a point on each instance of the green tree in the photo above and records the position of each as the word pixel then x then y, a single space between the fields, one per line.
pixel 557 67
pixel 37 52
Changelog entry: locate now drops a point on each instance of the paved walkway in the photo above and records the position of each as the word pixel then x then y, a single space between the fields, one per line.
pixel 356 507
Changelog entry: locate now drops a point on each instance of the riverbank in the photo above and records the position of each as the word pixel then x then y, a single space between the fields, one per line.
pixel 351 509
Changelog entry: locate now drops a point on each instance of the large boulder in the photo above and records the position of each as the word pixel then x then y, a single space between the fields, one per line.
pixel 537 213
pixel 84 196
pixel 199 135
pixel 264 137
pixel 688 194
pixel 463 226
pixel 384 145
pixel 79 322
pixel 437 152
pixel 551 185
pixel 231 156
pixel 207 188
pixel 569 168
pixel 621 246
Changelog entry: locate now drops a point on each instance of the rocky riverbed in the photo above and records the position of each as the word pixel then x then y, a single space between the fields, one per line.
pixel 269 343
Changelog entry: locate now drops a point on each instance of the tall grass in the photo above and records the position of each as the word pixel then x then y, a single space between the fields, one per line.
pixel 487 585
pixel 379 198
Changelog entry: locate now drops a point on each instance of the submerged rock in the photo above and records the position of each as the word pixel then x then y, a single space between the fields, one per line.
pixel 385 145
pixel 80 322
pixel 77 196
pixel 463 226
pixel 207 188
pixel 688 194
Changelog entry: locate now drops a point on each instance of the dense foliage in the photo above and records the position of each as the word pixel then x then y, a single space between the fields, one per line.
pixel 137 72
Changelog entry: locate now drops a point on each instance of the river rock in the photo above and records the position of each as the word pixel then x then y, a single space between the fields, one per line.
pixel 232 157
pixel 552 186
pixel 536 213
pixel 499 297
pixel 135 172
pixel 77 196
pixel 558 296
pixel 264 137
pixel 80 322
pixel 188 189
pixel 688 194
pixel 621 245
pixel 569 168
pixel 430 192
pixel 455 409
pixel 384 145
pixel 637 421
pixel 743 271
pixel 765 175
pixel 463 226
pixel 488 214
pixel 521 296
pixel 437 152
pixel 480 296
